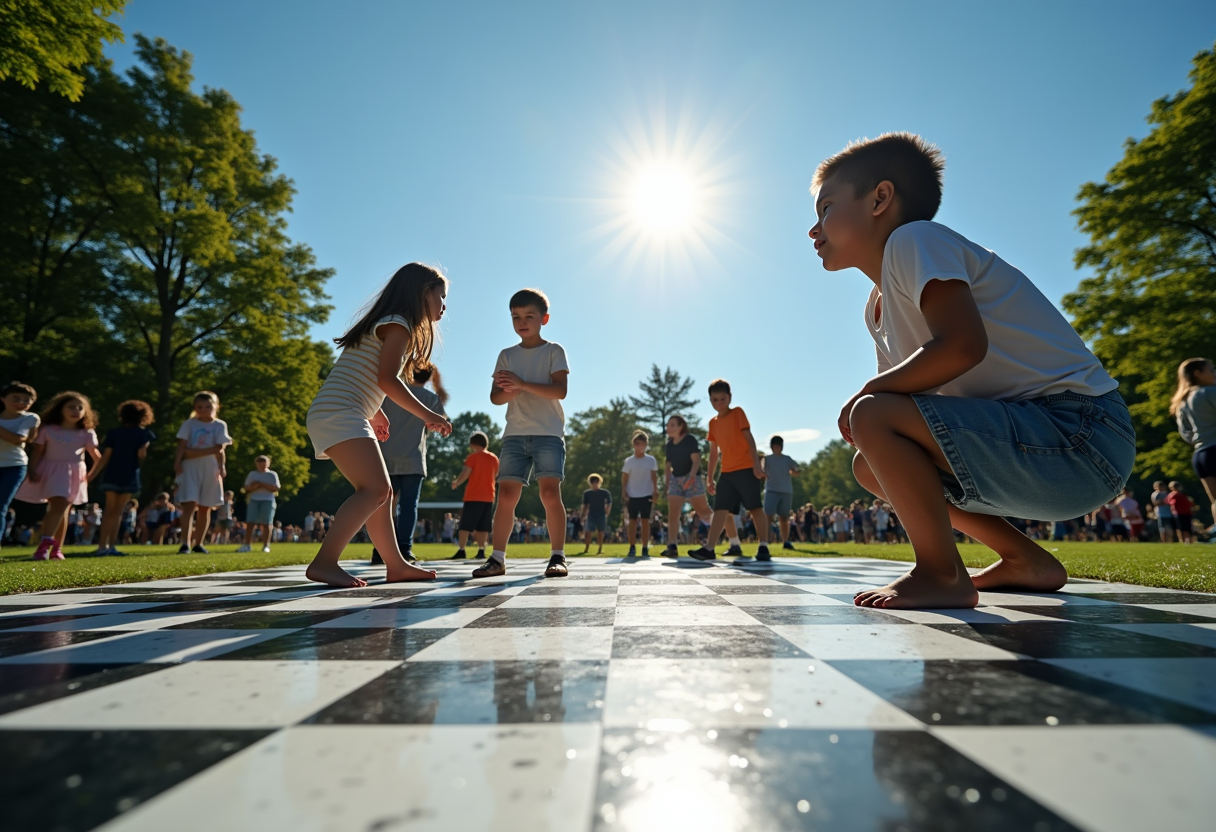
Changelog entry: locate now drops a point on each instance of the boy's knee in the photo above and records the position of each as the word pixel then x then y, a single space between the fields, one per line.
pixel 861 471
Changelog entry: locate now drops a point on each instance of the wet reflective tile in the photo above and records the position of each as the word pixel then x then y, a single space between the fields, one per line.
pixel 885 641
pixel 471 693
pixel 206 695
pixel 1204 634
pixel 1044 640
pixel 431 618
pixel 571 617
pixel 229 605
pixel 825 614
pixel 727 642
pixel 341 644
pixel 163 646
pixel 1190 681
pixel 786 779
pixel 1115 614
pixel 709 600
pixel 979 615
pixel 383 591
pixel 25 685
pixel 76 780
pixel 559 602
pixel 521 644
pixel 752 693
pixel 569 589
pixel 393 777
pixel 1207 611
pixel 1165 597
pixel 1128 779
pixel 1011 693
pixel 438 602
pixel 675 617
pixel 18 644
pixel 752 588
pixel 20 621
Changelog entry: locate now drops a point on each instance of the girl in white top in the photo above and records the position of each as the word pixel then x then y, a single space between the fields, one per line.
pixel 392 338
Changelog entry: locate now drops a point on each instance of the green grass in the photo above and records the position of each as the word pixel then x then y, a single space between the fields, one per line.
pixel 1175 566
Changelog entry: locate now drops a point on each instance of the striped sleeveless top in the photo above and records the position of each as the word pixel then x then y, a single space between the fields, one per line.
pixel 351 384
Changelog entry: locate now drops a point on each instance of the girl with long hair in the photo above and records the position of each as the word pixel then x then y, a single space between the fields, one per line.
pixel 1194 406
pixel 685 484
pixel 391 340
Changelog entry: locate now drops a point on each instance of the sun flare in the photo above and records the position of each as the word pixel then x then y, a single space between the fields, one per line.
pixel 663 199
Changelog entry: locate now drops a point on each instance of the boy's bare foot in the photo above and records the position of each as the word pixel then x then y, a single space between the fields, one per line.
pixel 332 575
pixel 919 591
pixel 1037 573
pixel 406 572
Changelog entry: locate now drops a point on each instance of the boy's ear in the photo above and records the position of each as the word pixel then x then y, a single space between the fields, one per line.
pixel 544 320
pixel 882 198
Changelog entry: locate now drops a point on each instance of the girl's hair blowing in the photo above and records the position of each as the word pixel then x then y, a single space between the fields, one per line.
pixel 429 372
pixel 53 415
pixel 1187 381
pixel 405 294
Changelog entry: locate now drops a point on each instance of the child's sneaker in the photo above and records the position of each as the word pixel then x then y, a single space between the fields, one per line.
pixel 492 568
pixel 200 549
pixel 376 559
pixel 265 550
pixel 702 553
pixel 56 552
pixel 184 549
pixel 43 552
pixel 633 552
pixel 787 545
pixel 735 551
pixel 244 548
pixel 461 554
pixel 645 551
pixel 671 551
pixel 481 555
pixel 762 553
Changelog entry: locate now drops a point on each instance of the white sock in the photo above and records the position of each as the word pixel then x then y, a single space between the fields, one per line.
pixel 561 552
pixel 499 556
pixel 709 547
pixel 734 541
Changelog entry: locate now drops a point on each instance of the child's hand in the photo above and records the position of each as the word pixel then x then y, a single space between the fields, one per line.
pixel 710 487
pixel 438 424
pixel 508 382
pixel 758 470
pixel 379 424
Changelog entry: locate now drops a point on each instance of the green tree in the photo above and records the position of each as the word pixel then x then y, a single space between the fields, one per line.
pixel 597 442
pixel 828 478
pixel 1151 301
pixel 445 455
pixel 51 39
pixel 664 394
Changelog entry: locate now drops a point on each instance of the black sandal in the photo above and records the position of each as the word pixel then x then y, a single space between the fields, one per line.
pixel 557 567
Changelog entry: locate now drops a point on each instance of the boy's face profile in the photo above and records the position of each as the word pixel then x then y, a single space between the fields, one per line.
pixel 528 320
pixel 848 228
pixel 720 401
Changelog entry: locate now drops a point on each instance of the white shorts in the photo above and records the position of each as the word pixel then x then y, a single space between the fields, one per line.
pixel 199 482
pixel 329 428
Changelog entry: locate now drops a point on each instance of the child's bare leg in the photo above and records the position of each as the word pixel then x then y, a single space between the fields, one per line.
pixel 504 513
pixel 904 458
pixel 358 460
pixel 54 524
pixel 1023 563
pixel 187 522
pixel 599 538
pixel 555 512
pixel 645 534
pixel 480 539
pixel 384 536
pixel 632 531
pixel 719 520
pixel 760 519
pixel 200 525
pixel 783 523
pixel 1209 485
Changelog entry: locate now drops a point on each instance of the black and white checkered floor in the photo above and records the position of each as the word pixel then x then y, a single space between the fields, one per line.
pixel 634 695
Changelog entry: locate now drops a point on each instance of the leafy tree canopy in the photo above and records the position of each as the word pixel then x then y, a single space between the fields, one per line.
pixel 664 394
pixel 51 39
pixel 1151 302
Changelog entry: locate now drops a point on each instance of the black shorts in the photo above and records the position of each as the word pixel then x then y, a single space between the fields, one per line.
pixel 738 488
pixel 476 516
pixel 640 507
pixel 1204 462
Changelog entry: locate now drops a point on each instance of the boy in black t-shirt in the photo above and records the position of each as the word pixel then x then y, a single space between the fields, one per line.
pixel 596 504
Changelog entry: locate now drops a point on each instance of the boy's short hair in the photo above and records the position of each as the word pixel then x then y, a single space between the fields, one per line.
pixel 594 478
pixel 19 387
pixel 912 164
pixel 640 434
pixel 719 385
pixel 530 297
pixel 479 439
pixel 262 458
pixel 776 440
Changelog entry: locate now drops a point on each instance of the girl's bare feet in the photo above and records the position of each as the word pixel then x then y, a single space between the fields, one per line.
pixel 1039 572
pixel 332 575
pixel 405 572
pixel 921 589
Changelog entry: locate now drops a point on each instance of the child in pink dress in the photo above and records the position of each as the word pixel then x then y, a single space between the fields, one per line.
pixel 57 472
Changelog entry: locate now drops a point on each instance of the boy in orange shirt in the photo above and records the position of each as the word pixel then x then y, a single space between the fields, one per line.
pixel 481 471
pixel 730 435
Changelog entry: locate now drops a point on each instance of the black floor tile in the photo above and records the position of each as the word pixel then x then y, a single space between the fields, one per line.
pixel 164 598
pixel 778 780
pixel 1114 614
pixel 263 620
pixel 542 617
pixel 444 602
pixel 747 589
pixel 823 614
pixel 26 685
pixel 1147 597
pixel 701 642
pixel 671 601
pixel 567 589
pixel 1069 640
pixel 1011 693
pixel 64 781
pixel 113 590
pixel 218 605
pixel 382 591
pixel 340 643
pixel 45 617
pixel 473 693
pixel 284 582
pixel 15 644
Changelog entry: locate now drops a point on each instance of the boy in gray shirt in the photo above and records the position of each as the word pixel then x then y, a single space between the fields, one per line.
pixel 779 473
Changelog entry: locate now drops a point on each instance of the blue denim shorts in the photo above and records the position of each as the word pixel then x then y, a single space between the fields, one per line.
pixel 524 456
pixel 1050 458
pixel 259 512
pixel 778 502
pixel 597 524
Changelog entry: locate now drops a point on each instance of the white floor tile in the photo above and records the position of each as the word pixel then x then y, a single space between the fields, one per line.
pixel 121 621
pixel 207 695
pixel 979 615
pixel 1190 681
pixel 745 693
pixel 558 602
pixel 161 646
pixel 664 589
pixel 1107 778
pixel 522 643
pixel 1053 599
pixel 801 599
pixel 685 616
pixel 321 603
pixel 885 641
pixel 433 618
pixel 452 778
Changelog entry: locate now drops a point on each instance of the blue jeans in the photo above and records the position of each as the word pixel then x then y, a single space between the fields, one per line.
pixel 11 478
pixel 408 488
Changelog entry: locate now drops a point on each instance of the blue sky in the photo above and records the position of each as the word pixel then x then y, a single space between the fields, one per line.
pixel 504 143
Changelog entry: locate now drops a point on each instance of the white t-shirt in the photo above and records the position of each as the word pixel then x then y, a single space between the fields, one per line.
pixel 529 414
pixel 199 434
pixel 310 522
pixel 1032 349
pixel 637 470
pixel 266 478
pixel 13 455
pixel 1130 510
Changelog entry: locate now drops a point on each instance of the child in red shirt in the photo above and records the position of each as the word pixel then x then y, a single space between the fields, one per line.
pixel 477 516
pixel 1182 506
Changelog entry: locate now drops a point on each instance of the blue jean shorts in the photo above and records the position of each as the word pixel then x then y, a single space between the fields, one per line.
pixel 259 512
pixel 778 502
pixel 1050 458
pixel 522 457
pixel 597 524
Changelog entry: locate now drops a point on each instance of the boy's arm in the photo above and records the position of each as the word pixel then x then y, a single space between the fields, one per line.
pixel 959 343
pixel 461 477
pixel 713 468
pixel 757 468
pixel 12 438
pixel 654 480
pixel 511 383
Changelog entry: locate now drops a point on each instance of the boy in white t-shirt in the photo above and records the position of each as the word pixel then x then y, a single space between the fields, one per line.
pixel 638 487
pixel 986 405
pixel 17 428
pixel 261 486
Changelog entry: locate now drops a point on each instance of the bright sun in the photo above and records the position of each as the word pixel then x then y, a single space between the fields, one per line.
pixel 664 199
